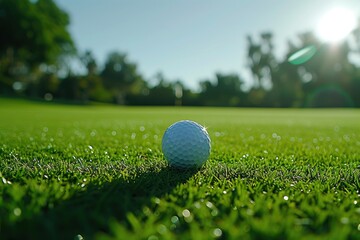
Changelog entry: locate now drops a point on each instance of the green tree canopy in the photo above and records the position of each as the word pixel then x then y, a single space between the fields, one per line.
pixel 224 91
pixel 34 32
pixel 121 76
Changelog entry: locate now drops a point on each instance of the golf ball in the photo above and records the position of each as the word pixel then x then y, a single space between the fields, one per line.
pixel 186 144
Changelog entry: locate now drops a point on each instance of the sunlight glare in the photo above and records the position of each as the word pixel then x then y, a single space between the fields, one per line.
pixel 336 24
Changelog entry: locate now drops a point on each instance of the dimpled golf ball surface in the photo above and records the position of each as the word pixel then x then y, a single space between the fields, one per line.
pixel 186 144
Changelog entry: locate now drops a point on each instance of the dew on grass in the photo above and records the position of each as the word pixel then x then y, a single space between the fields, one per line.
pixel 17 212
pixel 174 219
pixel 209 205
pixel 78 237
pixel 249 212
pixel 214 212
pixel 197 205
pixel 186 213
pixel 5 181
pixel 153 237
pixel 346 138
pixel 344 220
pixel 161 229
pixel 217 232
pixel 274 135
pixel 147 211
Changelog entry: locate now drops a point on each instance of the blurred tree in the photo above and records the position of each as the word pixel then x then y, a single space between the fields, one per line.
pixel 286 88
pixel 162 93
pixel 47 86
pixel 121 77
pixel 86 87
pixel 356 35
pixel 34 33
pixel 256 97
pixel 91 85
pixel 326 77
pixel 261 60
pixel 224 91
pixel 355 81
pixel 264 68
pixel 89 62
pixel 69 88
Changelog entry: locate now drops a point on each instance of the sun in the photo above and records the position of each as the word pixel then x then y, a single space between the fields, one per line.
pixel 336 24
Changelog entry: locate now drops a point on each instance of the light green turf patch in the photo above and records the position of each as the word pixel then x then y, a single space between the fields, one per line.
pixel 97 172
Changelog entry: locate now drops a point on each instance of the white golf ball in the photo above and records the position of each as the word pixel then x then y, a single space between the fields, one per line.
pixel 186 144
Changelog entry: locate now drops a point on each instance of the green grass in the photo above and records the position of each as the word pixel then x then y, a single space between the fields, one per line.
pixel 97 172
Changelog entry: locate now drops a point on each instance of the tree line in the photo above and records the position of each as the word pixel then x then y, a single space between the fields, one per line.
pixel 36 52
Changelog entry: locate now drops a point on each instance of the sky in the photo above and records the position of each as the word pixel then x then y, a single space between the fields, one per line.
pixel 190 40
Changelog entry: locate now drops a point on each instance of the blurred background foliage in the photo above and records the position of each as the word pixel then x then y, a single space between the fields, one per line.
pixel 37 51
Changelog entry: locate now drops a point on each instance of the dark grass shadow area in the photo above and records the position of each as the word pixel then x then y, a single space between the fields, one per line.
pixel 89 211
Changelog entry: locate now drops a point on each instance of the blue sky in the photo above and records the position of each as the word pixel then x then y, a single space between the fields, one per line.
pixel 190 40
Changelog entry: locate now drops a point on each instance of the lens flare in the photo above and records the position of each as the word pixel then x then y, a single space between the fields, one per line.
pixel 336 25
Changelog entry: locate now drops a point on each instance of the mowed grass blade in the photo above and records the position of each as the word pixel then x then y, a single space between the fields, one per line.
pixel 97 172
